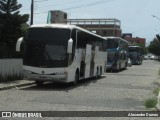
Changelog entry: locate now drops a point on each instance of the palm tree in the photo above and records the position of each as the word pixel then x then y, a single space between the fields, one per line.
pixel 10 26
pixel 9 6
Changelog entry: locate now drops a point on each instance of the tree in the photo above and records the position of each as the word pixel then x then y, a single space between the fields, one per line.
pixel 10 27
pixel 154 47
pixel 9 6
pixel 24 28
pixel 145 49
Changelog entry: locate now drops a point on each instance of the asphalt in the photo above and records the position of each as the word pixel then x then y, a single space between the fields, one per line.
pixel 14 84
pixel 22 83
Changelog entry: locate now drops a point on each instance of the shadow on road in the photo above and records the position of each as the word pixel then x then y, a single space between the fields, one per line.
pixel 62 86
pixel 121 70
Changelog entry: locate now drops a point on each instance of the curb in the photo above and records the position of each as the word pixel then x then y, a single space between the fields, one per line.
pixel 16 85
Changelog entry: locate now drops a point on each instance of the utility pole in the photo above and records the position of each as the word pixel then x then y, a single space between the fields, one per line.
pixel 32 12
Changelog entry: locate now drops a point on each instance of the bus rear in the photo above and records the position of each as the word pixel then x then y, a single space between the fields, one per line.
pixel 135 54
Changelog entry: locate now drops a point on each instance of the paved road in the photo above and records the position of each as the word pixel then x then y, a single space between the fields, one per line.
pixel 124 91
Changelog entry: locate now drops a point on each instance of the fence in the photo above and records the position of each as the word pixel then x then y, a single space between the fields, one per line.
pixel 10 69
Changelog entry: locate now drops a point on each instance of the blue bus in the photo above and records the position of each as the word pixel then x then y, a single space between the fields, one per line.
pixel 136 54
pixel 117 53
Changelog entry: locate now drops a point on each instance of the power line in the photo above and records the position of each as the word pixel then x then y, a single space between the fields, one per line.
pixel 40 0
pixel 53 4
pixel 91 4
pixel 60 4
pixel 80 6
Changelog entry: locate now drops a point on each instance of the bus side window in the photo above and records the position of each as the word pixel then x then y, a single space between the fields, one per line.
pixel 104 45
pixel 83 39
pixel 74 36
pixel 80 41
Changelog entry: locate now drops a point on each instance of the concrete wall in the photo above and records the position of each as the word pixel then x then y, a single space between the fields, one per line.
pixel 10 67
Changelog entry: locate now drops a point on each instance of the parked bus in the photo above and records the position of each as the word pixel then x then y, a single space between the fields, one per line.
pixel 117 53
pixel 136 54
pixel 62 53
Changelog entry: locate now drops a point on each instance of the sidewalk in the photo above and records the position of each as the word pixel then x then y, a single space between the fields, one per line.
pixel 14 84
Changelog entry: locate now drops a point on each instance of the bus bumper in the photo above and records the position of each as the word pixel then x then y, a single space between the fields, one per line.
pixel 47 78
pixel 109 66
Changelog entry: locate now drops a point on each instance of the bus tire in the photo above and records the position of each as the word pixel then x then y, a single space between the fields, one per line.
pixel 141 62
pixel 76 79
pixel 118 68
pixel 100 71
pixel 39 83
pixel 126 64
pixel 97 72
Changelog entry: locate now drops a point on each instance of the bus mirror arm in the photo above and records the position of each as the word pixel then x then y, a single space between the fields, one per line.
pixel 18 44
pixel 70 45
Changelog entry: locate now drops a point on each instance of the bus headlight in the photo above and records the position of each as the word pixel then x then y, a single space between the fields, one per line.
pixel 62 73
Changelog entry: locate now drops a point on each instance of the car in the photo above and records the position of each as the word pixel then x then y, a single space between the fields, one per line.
pixel 145 57
pixel 152 57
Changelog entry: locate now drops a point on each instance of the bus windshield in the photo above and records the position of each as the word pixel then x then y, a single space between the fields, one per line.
pixel 134 49
pixel 112 43
pixel 46 47
pixel 111 56
pixel 48 34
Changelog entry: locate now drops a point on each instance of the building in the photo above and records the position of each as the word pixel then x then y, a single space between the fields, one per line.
pixel 57 16
pixel 134 40
pixel 103 27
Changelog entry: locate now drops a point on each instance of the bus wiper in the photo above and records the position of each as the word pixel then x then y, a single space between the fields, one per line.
pixel 46 53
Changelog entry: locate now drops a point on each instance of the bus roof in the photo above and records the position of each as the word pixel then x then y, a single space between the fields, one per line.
pixel 112 37
pixel 66 26
pixel 52 26
pixel 134 46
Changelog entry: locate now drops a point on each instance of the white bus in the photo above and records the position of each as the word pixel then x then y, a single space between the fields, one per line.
pixel 62 53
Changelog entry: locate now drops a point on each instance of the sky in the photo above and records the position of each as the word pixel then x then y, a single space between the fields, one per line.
pixel 136 16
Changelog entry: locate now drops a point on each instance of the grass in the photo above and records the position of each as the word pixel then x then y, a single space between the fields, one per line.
pixel 156 91
pixel 151 102
pixel 159 72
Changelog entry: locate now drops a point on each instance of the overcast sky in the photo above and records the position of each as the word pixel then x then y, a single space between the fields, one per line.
pixel 135 15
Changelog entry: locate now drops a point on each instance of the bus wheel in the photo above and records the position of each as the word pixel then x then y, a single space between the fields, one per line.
pixel 139 62
pixel 97 72
pixel 100 71
pixel 118 67
pixel 126 64
pixel 39 83
pixel 76 79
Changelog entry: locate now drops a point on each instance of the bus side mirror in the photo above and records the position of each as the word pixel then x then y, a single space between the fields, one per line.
pixel 70 45
pixel 18 44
